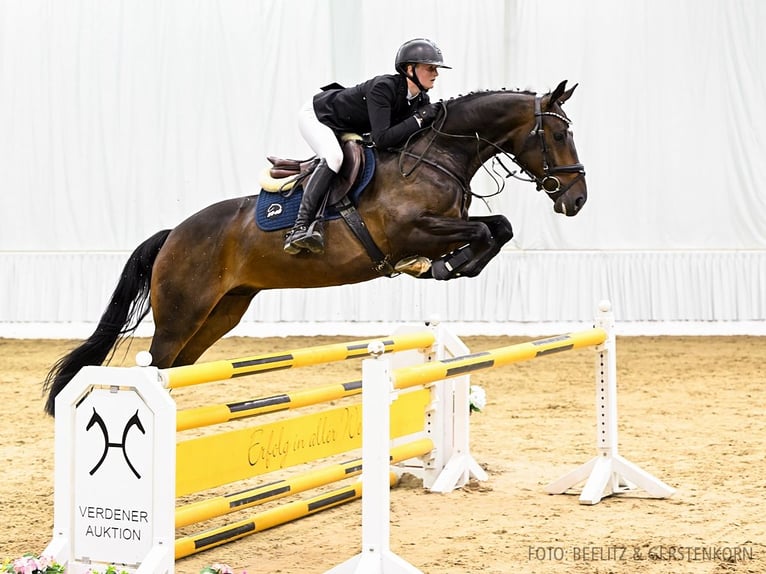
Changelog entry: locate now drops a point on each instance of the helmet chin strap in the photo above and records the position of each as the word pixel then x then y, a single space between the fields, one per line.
pixel 414 78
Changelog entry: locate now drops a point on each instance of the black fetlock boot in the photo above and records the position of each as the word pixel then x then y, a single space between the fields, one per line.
pixel 307 233
pixel 449 266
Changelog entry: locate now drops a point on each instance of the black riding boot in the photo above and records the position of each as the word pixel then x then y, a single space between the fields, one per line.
pixel 307 231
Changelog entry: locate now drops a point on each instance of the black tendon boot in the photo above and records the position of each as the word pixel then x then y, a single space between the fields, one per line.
pixel 307 231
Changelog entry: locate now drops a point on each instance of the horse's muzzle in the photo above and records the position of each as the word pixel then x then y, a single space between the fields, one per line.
pixel 572 200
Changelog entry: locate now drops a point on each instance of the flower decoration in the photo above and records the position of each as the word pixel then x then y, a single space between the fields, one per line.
pixel 477 398
pixel 32 564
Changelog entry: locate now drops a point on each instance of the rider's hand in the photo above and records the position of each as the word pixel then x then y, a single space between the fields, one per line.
pixel 427 113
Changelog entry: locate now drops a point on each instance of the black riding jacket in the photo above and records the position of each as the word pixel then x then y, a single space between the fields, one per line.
pixel 378 106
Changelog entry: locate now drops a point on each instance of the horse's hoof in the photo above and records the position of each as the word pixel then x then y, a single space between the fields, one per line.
pixel 416 265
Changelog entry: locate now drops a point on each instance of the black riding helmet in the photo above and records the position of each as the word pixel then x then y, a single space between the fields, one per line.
pixel 418 51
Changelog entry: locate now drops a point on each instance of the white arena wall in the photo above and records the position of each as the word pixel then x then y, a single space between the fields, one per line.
pixel 521 293
pixel 120 119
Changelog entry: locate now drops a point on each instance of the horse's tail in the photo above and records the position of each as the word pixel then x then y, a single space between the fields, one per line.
pixel 129 304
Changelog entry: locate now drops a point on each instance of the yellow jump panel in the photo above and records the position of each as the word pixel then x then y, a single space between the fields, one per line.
pixel 207 462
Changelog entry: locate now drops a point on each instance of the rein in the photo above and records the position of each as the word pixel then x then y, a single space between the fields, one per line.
pixel 421 157
pixel 549 183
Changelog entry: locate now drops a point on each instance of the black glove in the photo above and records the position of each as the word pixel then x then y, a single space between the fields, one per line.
pixel 427 113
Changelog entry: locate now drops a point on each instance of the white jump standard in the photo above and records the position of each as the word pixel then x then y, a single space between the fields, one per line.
pixel 608 472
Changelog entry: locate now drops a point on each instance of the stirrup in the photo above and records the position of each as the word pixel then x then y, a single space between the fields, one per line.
pixel 301 237
pixel 311 238
pixel 290 246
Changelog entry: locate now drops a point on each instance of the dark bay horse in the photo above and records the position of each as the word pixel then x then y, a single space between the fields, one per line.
pixel 199 278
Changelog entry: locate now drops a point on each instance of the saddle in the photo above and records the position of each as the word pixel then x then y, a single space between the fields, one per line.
pixel 284 174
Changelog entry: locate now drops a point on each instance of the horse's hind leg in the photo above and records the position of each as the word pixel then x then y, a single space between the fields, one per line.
pixel 183 332
pixel 222 319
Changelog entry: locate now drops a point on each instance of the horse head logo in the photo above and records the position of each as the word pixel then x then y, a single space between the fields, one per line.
pixel 273 210
pixel 134 421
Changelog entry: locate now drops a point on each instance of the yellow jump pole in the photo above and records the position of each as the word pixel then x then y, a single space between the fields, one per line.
pixel 176 377
pixel 221 413
pixel 220 505
pixel 266 519
pixel 437 370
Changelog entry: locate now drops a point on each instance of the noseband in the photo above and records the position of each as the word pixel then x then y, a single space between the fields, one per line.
pixel 549 182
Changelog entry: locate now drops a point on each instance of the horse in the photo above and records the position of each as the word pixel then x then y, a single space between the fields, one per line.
pixel 199 278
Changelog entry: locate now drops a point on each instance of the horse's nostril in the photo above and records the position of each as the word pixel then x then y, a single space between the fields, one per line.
pixel 580 201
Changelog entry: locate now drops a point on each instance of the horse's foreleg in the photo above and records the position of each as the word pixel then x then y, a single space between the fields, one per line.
pixel 502 233
pixel 458 242
pixel 480 238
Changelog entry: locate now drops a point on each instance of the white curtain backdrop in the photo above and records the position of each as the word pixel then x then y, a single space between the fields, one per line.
pixel 122 118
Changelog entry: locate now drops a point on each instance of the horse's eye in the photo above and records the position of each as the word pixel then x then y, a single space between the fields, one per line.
pixel 559 136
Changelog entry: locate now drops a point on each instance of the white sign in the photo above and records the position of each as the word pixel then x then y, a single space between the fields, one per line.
pixel 112 518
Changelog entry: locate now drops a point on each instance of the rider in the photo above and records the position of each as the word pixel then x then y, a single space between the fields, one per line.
pixel 389 107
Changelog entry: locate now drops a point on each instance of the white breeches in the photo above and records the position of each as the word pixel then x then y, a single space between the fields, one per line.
pixel 321 138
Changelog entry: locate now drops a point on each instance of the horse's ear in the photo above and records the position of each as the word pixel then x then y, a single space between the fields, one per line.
pixel 558 92
pixel 561 94
pixel 566 95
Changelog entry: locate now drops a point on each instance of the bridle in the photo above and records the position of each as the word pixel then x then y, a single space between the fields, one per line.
pixel 549 182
